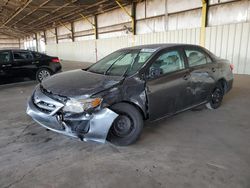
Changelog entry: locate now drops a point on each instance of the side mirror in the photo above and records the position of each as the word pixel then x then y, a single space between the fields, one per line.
pixel 154 72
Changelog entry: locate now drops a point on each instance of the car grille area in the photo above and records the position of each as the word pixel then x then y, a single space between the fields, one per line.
pixel 45 107
pixel 53 117
pixel 58 98
pixel 44 103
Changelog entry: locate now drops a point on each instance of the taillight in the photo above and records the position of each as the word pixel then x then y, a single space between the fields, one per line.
pixel 231 67
pixel 55 60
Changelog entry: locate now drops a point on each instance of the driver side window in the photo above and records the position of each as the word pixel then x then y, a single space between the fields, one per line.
pixel 22 55
pixel 4 57
pixel 168 62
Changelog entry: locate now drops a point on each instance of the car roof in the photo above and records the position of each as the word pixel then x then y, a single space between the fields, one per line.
pixel 15 49
pixel 159 46
pixel 8 49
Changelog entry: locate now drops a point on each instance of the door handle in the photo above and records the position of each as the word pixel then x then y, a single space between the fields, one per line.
pixel 213 69
pixel 8 65
pixel 186 76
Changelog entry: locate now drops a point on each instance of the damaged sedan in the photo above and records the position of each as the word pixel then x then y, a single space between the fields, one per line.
pixel 111 99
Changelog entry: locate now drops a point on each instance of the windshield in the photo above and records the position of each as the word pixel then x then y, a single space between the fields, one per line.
pixel 121 62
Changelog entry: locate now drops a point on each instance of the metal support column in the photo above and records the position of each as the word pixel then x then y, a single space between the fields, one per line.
pixel 56 35
pixel 133 17
pixel 96 27
pixel 36 42
pixel 72 31
pixel 45 38
pixel 203 22
pixel 19 43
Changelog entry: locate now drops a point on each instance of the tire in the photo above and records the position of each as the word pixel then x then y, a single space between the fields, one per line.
pixel 127 127
pixel 216 97
pixel 42 74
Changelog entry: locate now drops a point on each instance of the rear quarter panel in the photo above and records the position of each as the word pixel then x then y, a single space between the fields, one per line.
pixel 225 72
pixel 46 61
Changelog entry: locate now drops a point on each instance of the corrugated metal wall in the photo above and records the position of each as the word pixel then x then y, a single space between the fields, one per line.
pixel 86 50
pixel 227 41
pixel 106 46
pixel 231 42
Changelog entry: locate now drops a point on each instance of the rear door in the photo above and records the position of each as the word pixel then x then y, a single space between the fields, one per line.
pixel 40 59
pixel 166 84
pixel 203 73
pixel 23 61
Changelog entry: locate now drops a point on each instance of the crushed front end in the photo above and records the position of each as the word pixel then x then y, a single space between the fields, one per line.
pixel 67 116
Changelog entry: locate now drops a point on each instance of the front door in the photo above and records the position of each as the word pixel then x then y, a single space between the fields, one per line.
pixel 5 62
pixel 166 84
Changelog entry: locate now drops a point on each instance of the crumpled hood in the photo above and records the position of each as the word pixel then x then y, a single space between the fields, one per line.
pixel 78 82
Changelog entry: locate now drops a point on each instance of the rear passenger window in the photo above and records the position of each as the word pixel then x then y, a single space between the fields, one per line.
pixel 22 55
pixel 37 55
pixel 196 58
pixel 4 57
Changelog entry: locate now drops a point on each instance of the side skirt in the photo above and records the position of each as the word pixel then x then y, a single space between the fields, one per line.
pixel 180 111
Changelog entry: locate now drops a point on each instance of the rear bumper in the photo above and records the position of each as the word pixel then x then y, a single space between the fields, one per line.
pixel 98 123
pixel 229 85
pixel 55 67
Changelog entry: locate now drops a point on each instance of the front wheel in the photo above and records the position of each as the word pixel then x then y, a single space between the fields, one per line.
pixel 127 127
pixel 42 74
pixel 216 97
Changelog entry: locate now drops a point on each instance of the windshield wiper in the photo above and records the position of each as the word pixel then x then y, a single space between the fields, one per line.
pixel 105 73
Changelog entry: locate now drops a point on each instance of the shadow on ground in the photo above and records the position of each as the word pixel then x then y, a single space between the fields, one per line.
pixel 195 149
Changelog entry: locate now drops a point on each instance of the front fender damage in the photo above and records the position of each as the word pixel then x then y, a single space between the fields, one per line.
pixel 100 125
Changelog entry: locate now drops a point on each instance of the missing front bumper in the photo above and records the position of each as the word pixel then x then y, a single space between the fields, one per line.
pixel 99 123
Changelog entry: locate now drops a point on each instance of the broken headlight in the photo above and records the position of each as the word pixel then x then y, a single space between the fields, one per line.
pixel 79 106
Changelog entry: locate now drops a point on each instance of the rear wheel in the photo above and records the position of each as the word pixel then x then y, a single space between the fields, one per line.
pixel 216 97
pixel 127 127
pixel 42 74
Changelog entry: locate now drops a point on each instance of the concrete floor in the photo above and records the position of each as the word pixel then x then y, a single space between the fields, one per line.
pixel 193 149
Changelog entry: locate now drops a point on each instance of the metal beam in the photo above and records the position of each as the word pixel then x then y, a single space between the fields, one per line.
pixel 59 8
pixel 17 12
pixel 86 18
pixel 64 25
pixel 9 34
pixel 15 31
pixel 59 16
pixel 93 24
pixel 71 17
pixel 51 32
pixel 203 22
pixel 130 15
pixel 31 12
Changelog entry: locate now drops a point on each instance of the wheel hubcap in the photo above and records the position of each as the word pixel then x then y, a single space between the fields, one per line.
pixel 122 126
pixel 217 96
pixel 43 74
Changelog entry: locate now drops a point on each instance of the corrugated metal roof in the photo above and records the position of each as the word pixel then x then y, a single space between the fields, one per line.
pixel 22 17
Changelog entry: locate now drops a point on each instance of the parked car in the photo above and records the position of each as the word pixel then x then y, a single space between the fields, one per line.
pixel 111 99
pixel 23 63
